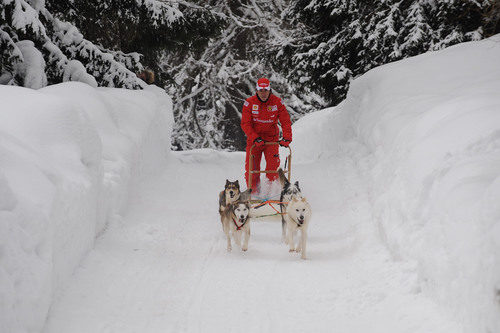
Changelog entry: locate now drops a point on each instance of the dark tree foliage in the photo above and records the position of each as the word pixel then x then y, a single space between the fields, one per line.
pixel 338 40
pixel 491 18
pixel 149 27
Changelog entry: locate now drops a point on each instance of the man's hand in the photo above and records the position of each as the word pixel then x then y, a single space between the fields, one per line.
pixel 258 142
pixel 285 143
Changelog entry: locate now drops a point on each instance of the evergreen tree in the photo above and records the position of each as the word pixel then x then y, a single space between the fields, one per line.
pixel 208 53
pixel 344 39
pixel 211 86
pixel 65 54
pixel 148 27
pixel 491 18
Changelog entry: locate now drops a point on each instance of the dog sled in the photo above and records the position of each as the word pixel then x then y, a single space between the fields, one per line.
pixel 267 206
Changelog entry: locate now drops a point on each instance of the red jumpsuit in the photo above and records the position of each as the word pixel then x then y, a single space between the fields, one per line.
pixel 260 119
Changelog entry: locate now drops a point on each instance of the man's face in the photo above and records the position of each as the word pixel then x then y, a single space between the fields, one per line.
pixel 263 94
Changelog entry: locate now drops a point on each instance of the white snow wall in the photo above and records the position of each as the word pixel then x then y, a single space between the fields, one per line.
pixel 425 134
pixel 69 156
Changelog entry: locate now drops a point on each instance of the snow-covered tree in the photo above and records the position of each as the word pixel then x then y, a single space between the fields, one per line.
pixel 101 42
pixel 208 53
pixel 148 27
pixel 40 49
pixel 337 40
pixel 210 87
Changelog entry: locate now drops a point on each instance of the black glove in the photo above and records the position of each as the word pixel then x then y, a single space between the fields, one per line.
pixel 285 142
pixel 258 142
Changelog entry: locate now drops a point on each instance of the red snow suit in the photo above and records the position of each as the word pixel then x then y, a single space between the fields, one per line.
pixel 260 119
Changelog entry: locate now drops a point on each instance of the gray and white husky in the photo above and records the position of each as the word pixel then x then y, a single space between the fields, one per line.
pixel 298 215
pixel 236 223
pixel 288 192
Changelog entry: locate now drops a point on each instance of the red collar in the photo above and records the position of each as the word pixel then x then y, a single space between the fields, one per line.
pixel 241 226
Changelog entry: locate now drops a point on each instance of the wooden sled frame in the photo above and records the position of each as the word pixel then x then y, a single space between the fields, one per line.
pixel 287 171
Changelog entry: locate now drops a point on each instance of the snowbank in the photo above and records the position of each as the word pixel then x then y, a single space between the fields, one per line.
pixel 69 154
pixel 429 129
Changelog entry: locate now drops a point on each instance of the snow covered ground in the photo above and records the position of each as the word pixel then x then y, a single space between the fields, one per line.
pixel 431 127
pixel 403 178
pixel 68 155
pixel 164 267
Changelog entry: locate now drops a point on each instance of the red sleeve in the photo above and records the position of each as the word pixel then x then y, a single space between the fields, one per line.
pixel 246 122
pixel 286 123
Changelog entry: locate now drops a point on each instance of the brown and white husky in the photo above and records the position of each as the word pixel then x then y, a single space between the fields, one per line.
pixel 232 193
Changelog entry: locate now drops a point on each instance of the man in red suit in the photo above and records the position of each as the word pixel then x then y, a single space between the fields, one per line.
pixel 259 121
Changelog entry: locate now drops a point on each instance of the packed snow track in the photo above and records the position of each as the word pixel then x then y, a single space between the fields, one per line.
pixel 164 267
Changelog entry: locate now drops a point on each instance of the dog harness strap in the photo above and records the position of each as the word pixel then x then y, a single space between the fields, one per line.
pixel 236 224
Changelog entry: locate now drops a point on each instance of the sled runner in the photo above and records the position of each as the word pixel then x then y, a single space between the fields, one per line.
pixel 258 204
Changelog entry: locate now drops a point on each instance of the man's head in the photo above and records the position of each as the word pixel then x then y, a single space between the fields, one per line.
pixel 263 89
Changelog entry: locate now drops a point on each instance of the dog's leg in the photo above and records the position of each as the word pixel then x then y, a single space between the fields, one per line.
pixel 228 236
pixel 283 230
pixel 237 237
pixel 290 240
pixel 298 248
pixel 304 241
pixel 247 237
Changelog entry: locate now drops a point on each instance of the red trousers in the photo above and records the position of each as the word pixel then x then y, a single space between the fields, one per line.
pixel 271 154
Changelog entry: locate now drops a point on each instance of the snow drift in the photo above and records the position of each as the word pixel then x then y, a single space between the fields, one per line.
pixel 69 154
pixel 430 128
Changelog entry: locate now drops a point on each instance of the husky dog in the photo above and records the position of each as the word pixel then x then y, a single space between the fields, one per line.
pixel 236 222
pixel 231 194
pixel 298 214
pixel 288 192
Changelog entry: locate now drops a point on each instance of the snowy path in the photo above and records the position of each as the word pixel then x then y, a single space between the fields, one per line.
pixel 164 268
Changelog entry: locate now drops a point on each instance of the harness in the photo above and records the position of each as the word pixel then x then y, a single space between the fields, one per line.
pixel 241 226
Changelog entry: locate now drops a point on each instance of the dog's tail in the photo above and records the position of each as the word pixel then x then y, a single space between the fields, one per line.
pixel 282 177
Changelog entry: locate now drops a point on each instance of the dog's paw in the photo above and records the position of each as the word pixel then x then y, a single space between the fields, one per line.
pixel 229 249
pixel 244 249
pixel 291 250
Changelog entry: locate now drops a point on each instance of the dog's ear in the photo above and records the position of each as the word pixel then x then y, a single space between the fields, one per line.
pixel 227 182
pixel 297 185
pixel 238 184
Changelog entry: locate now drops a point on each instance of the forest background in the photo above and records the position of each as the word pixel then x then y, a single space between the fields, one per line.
pixel 207 54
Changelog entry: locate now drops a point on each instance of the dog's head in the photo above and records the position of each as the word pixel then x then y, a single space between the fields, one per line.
pixel 289 190
pixel 232 189
pixel 299 210
pixel 241 210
